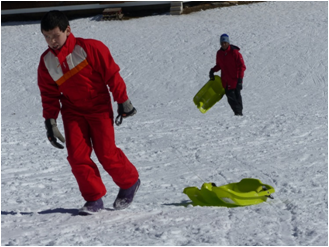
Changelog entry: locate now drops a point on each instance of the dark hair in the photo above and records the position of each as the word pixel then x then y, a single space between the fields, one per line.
pixel 53 19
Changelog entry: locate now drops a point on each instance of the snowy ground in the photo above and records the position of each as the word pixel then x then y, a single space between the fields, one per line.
pixel 282 139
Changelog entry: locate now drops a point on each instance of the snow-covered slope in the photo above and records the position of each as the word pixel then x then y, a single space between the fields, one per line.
pixel 282 139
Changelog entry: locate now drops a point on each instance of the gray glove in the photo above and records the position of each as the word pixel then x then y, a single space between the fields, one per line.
pixel 53 132
pixel 126 109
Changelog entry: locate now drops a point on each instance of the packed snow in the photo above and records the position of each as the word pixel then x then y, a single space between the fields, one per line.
pixel 282 139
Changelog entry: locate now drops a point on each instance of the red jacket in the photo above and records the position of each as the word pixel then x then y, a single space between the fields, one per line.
pixel 230 62
pixel 78 76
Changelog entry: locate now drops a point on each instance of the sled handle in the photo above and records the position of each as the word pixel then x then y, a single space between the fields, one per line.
pixel 261 190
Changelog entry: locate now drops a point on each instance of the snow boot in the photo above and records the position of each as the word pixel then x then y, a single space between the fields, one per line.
pixel 92 207
pixel 126 196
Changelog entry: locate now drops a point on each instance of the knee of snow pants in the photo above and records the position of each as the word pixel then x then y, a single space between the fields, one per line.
pixel 85 133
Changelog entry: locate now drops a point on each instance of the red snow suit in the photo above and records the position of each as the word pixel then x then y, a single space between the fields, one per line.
pixel 75 81
pixel 230 62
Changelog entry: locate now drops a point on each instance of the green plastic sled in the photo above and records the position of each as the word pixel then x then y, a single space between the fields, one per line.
pixel 209 94
pixel 248 191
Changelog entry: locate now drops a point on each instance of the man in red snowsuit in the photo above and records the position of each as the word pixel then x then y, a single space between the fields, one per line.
pixel 74 77
pixel 230 61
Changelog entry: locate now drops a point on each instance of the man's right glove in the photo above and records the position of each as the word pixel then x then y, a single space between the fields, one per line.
pixel 126 109
pixel 211 75
pixel 239 84
pixel 53 132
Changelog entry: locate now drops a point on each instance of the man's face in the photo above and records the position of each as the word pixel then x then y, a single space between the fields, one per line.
pixel 55 38
pixel 224 45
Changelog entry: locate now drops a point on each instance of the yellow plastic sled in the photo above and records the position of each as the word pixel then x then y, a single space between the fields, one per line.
pixel 209 94
pixel 248 191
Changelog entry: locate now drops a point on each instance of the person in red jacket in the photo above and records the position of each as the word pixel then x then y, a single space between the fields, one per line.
pixel 230 61
pixel 74 78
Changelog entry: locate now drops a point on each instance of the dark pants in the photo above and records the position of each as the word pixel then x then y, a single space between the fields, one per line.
pixel 235 100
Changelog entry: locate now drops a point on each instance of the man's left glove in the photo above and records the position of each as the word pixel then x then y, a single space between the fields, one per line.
pixel 211 75
pixel 239 84
pixel 126 109
pixel 53 132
